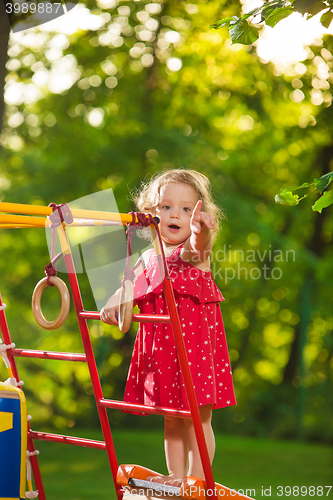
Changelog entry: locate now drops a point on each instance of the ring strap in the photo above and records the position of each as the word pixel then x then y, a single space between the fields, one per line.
pixel 145 220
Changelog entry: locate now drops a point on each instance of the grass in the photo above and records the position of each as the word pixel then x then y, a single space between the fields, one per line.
pixel 262 465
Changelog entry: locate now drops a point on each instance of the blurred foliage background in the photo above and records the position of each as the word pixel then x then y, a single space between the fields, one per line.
pixel 122 89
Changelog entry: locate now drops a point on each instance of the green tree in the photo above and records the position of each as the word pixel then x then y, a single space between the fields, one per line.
pixel 148 87
pixel 246 28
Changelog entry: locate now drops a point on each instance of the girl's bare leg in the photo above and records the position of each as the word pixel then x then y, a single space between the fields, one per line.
pixel 195 466
pixel 181 448
pixel 176 451
pixel 176 447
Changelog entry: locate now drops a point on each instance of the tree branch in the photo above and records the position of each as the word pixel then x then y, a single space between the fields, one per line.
pixel 4 37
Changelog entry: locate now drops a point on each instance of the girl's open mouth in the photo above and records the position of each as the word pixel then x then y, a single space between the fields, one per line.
pixel 174 227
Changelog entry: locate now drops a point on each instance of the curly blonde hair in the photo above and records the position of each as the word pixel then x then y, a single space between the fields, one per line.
pixel 147 198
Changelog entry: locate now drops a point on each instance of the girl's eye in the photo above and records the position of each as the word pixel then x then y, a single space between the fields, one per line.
pixel 165 207
pixel 187 209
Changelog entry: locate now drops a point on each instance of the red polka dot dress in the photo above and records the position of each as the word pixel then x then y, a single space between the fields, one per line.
pixel 154 376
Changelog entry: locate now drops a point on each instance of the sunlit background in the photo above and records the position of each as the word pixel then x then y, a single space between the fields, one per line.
pixel 111 92
pixel 286 45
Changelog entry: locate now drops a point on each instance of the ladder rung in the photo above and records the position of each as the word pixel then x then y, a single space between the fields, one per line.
pixel 151 318
pixel 138 318
pixel 76 441
pixel 31 353
pixel 156 410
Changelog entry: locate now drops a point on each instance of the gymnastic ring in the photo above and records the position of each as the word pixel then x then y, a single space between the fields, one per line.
pixel 36 303
pixel 125 306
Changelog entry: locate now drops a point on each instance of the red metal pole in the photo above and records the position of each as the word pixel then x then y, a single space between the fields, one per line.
pixel 151 410
pixel 31 353
pixel 96 384
pixel 7 340
pixel 31 447
pixel 192 400
pixel 58 438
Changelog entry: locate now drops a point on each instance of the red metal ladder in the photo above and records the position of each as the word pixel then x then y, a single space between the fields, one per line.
pixel 102 403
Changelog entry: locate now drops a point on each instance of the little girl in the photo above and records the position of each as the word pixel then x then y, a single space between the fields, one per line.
pixel 188 221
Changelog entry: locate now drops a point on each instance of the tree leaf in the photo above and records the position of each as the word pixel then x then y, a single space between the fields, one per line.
pixel 246 16
pixel 286 197
pixel 323 181
pixel 253 12
pixel 223 22
pixel 324 201
pixel 269 9
pixel 242 32
pixel 304 6
pixel 278 15
pixel 318 7
pixel 295 188
pixel 326 19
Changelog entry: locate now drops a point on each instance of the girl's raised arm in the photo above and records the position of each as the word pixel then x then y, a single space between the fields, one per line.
pixel 198 246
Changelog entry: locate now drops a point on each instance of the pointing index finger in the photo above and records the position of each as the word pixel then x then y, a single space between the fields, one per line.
pixel 197 208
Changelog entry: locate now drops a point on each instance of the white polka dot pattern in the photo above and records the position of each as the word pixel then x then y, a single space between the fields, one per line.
pixel 154 377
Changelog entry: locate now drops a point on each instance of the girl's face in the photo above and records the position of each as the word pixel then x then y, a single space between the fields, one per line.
pixel 177 202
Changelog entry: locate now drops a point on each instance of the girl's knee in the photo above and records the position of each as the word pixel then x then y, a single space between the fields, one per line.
pixel 205 416
pixel 173 423
pixel 206 413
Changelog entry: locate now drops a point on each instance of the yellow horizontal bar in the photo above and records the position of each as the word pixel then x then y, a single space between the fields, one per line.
pixel 108 216
pixel 91 223
pixel 22 219
pixel 10 220
pixel 16 226
pixel 18 208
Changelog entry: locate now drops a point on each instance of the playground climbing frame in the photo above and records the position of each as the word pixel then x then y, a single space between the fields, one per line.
pixel 30 216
